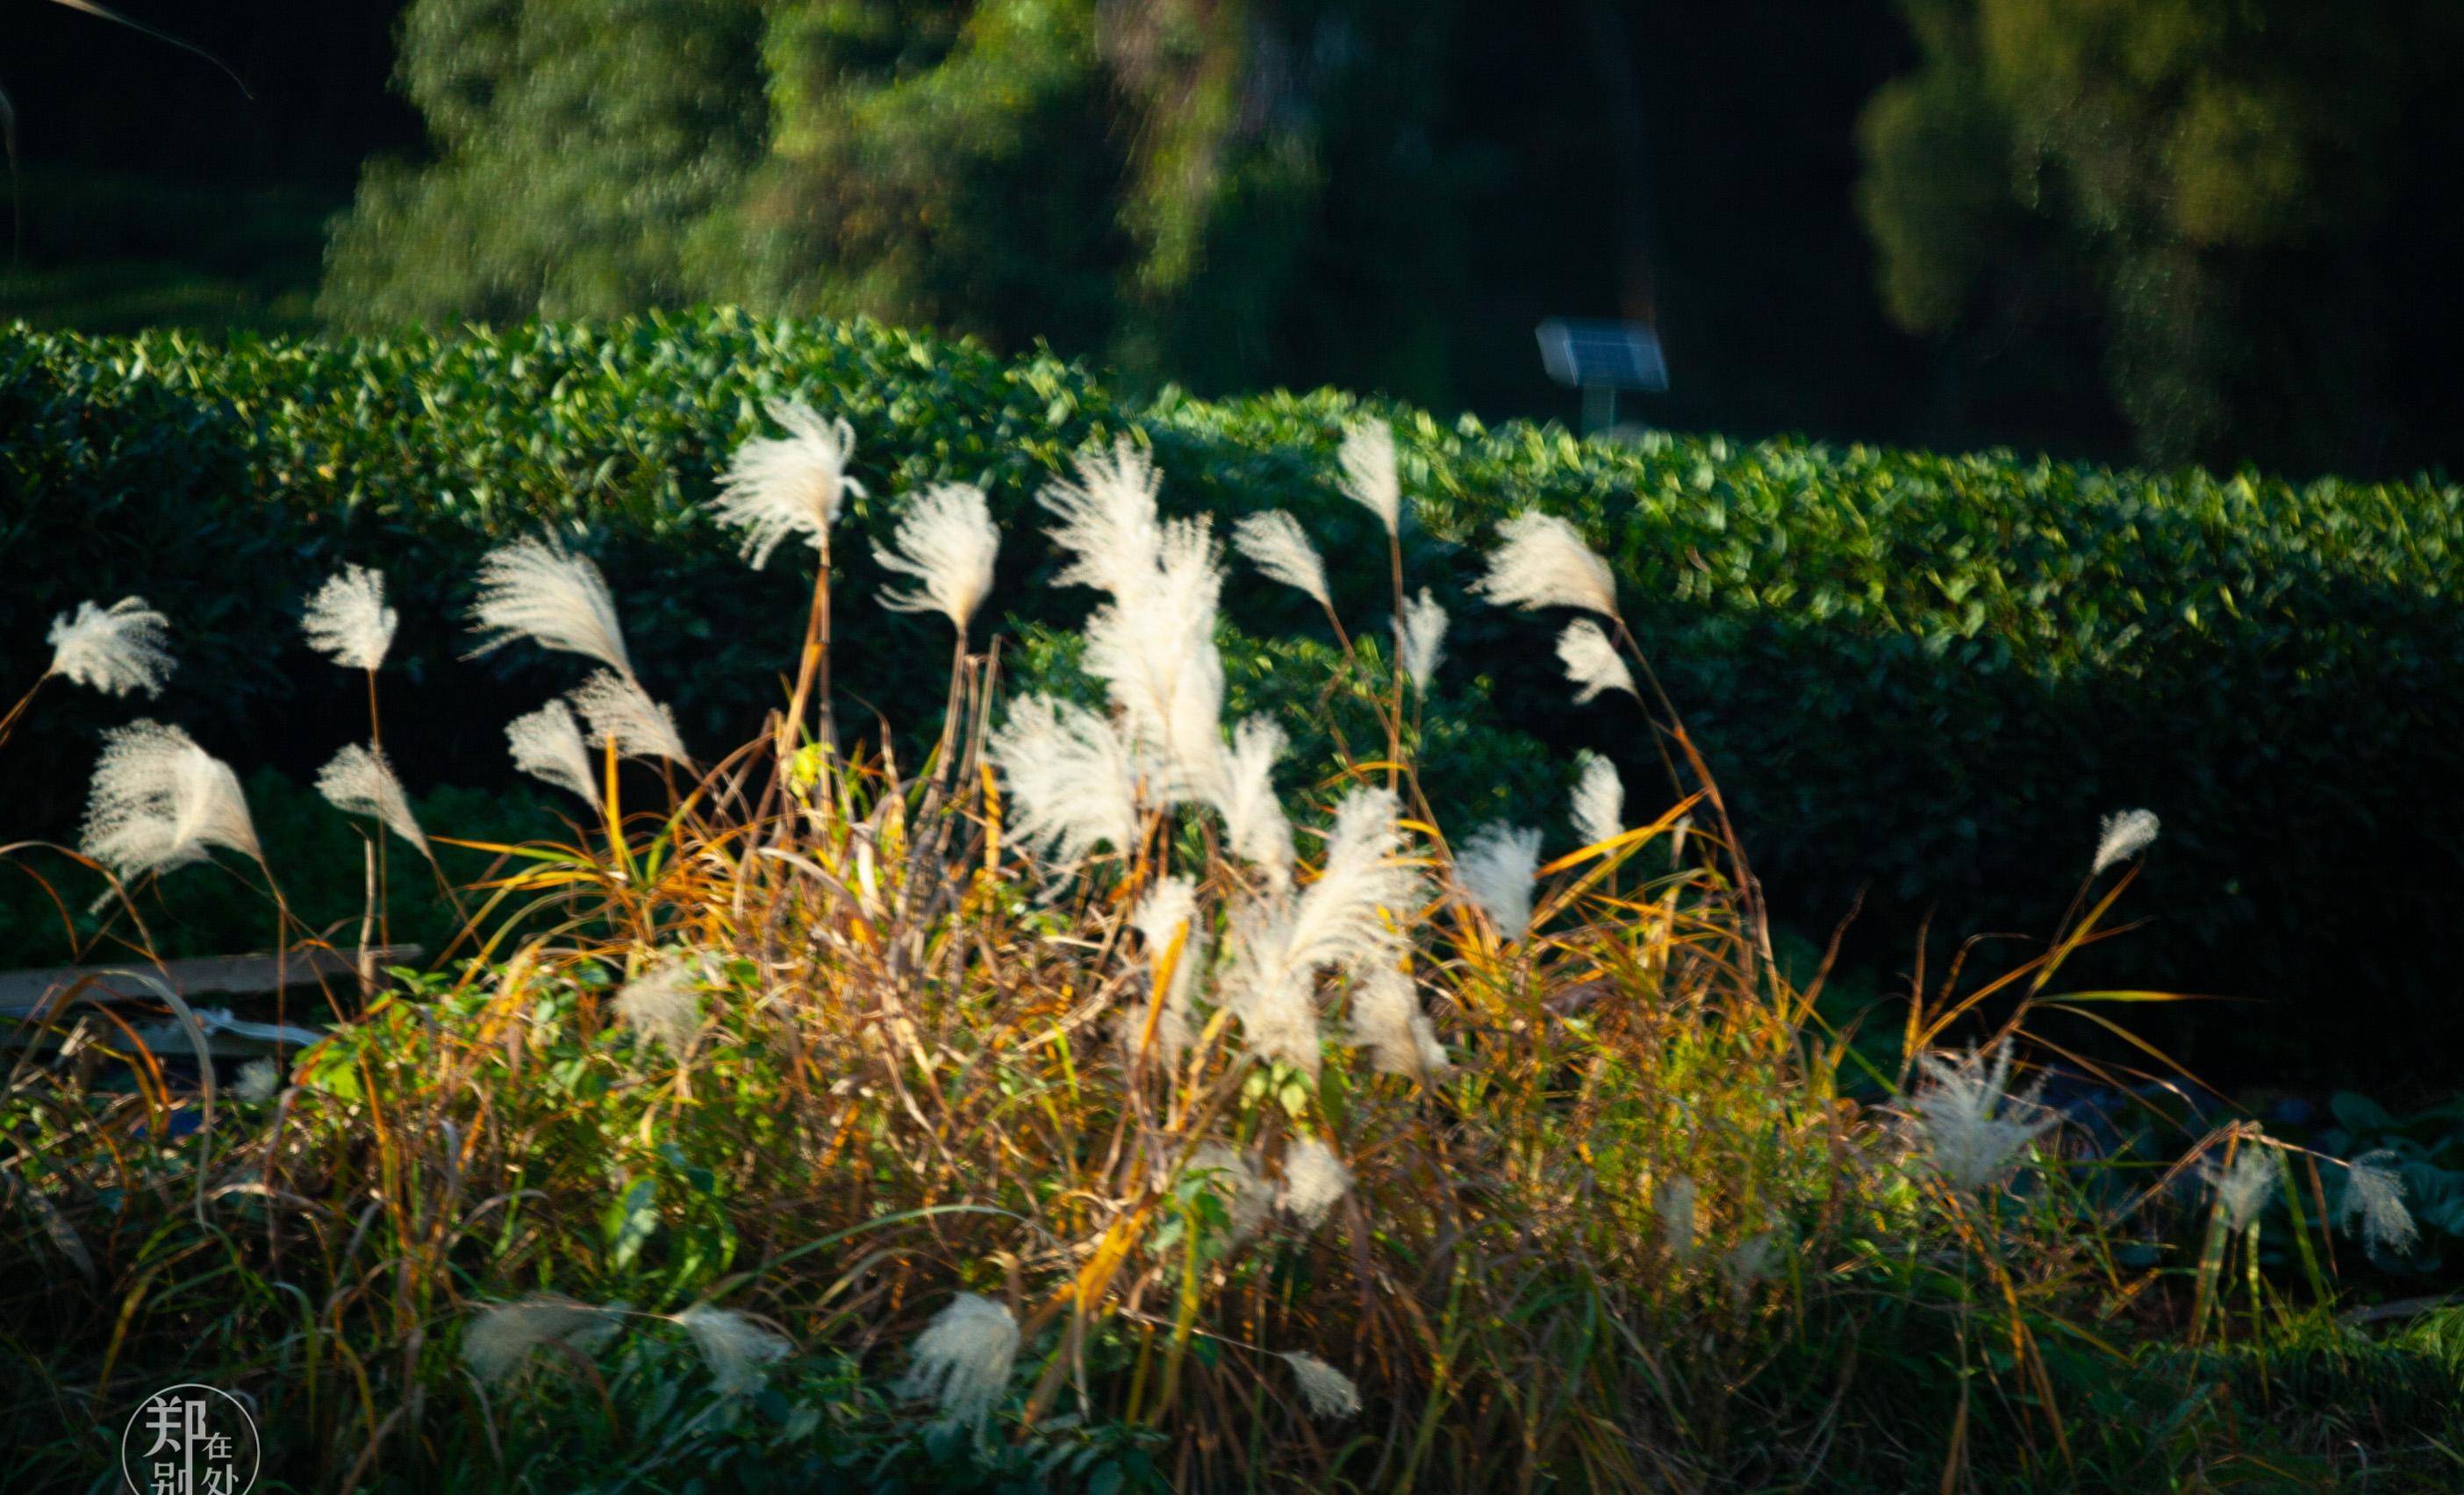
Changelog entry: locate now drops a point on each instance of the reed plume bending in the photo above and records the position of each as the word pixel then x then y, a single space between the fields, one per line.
pixel 359 780
pixel 113 649
pixel 548 746
pixel 539 590
pixel 160 802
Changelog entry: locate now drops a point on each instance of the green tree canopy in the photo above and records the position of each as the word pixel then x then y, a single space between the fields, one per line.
pixel 2234 186
pixel 1202 189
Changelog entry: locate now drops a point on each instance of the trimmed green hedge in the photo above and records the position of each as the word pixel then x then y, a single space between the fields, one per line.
pixel 1921 677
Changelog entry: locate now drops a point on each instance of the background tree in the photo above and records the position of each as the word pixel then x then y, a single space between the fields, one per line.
pixel 579 144
pixel 2239 196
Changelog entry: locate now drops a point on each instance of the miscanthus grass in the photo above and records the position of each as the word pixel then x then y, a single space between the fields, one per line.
pixel 1118 1094
pixel 113 649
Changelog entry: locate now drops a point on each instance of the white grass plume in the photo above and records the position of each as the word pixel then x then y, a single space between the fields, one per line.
pixel 1314 1181
pixel 1169 908
pixel 539 590
pixel 1542 562
pixel 1153 648
pixel 1677 1202
pixel 661 1004
pixel 962 1360
pixel 1750 1261
pixel 1072 780
pixel 2374 1192
pixel 1599 799
pixel 1107 519
pixel 161 802
pixel 547 744
pixel 1495 868
pixel 1369 477
pixel 620 712
pixel 1276 544
pixel 2124 835
pixel 1592 662
pixel 1275 1001
pixel 259 1080
pixel 1253 817
pixel 1972 1129
pixel 347 620
pixel 360 781
pixel 779 486
pixel 947 540
pixel 1421 639
pixel 1388 1023
pixel 736 1348
pixel 504 1334
pixel 1348 919
pixel 2243 1188
pixel 1327 1391
pixel 114 649
pixel 1234 1181
pixel 1343 917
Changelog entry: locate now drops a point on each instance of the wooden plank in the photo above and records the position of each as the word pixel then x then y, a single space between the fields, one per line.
pixel 23 993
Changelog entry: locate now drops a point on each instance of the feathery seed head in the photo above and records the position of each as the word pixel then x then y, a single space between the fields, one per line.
pixel 962 1360
pixel 2242 1189
pixel 1592 662
pixel 1327 1391
pixel 661 1004
pixel 1073 780
pixel 1750 1261
pixel 1234 1179
pixel 1169 907
pixel 539 590
pixel 1315 1180
pixel 504 1334
pixel 347 620
pixel 1543 563
pixel 1352 916
pixel 1108 521
pixel 547 744
pixel 259 1080
pixel 1967 1120
pixel 736 1348
pixel 114 649
pixel 1276 544
pixel 620 712
pixel 777 487
pixel 947 540
pixel 360 781
pixel 1679 1204
pixel 1253 817
pixel 1494 869
pixel 1350 919
pixel 1421 639
pixel 1387 1022
pixel 1153 648
pixel 2126 834
pixel 1599 799
pixel 2374 1192
pixel 1369 477
pixel 1275 1001
pixel 160 802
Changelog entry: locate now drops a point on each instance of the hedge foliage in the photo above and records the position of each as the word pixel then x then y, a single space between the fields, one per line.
pixel 1921 677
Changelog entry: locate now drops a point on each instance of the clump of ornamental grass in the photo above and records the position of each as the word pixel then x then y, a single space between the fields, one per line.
pixel 1088 1080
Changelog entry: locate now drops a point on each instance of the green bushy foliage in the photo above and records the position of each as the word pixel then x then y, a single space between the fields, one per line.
pixel 1922 676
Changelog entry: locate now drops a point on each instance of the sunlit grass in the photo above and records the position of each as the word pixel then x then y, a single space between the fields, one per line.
pixel 818 1116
